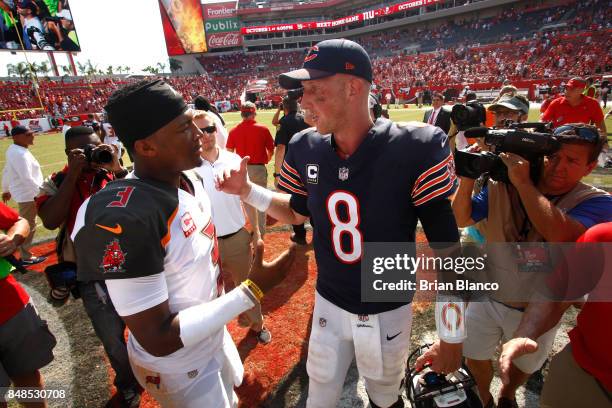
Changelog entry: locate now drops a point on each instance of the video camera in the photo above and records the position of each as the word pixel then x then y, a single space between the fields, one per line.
pixel 97 154
pixel 295 94
pixel 470 115
pixel 532 146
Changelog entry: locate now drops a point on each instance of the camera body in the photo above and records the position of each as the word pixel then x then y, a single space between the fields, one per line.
pixel 533 146
pixel 470 115
pixel 96 154
pixel 295 94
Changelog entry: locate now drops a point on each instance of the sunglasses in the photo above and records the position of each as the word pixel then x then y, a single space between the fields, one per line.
pixel 583 133
pixel 209 129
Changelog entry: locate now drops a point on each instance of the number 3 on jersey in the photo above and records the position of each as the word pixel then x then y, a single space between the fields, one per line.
pixel 349 226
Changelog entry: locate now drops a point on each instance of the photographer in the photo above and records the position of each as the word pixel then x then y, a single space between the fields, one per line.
pixel 91 165
pixel 61 31
pixel 290 124
pixel 34 34
pixel 556 208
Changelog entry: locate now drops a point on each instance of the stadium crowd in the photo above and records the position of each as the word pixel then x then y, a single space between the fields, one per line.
pixel 558 208
pixel 473 51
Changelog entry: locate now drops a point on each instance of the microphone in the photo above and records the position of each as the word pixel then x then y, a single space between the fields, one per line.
pixel 476 132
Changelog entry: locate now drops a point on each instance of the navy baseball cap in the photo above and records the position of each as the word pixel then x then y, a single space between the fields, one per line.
pixel 26 4
pixel 328 58
pixel 19 130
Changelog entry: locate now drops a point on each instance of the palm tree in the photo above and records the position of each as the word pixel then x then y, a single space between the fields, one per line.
pixel 175 65
pixel 22 70
pixel 127 69
pixel 11 69
pixel 161 66
pixel 43 68
pixel 66 69
pixel 91 69
pixel 110 70
pixel 82 68
pixel 151 70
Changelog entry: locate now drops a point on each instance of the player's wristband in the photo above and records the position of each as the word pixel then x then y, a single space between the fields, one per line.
pixel 255 290
pixel 201 321
pixel 450 318
pixel 259 197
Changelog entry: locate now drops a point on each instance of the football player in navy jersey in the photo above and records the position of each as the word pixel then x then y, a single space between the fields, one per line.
pixel 358 181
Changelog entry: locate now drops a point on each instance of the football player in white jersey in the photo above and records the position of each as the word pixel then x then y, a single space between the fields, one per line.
pixel 152 239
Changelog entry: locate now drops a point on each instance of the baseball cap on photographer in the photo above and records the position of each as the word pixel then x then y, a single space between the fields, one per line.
pixel 327 58
pixel 20 130
pixel 511 102
pixel 26 4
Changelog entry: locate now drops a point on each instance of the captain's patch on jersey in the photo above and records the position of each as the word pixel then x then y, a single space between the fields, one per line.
pixel 187 224
pixel 113 258
pixel 312 173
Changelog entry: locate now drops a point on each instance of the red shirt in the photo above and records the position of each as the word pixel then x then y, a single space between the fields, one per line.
pixel 88 184
pixel 253 139
pixel 561 112
pixel 547 102
pixel 590 338
pixel 13 297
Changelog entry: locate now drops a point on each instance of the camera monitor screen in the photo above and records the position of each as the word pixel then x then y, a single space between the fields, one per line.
pixel 37 25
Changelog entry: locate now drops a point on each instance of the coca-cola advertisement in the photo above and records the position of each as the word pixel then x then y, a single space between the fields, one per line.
pixel 222 25
pixel 224 40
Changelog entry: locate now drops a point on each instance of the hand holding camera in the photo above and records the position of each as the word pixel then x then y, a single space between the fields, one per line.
pixel 102 156
pixel 518 168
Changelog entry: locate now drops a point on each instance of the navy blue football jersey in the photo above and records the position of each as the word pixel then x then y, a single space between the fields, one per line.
pixel 370 197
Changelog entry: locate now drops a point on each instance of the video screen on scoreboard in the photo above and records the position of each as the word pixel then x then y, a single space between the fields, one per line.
pixel 183 26
pixel 197 26
pixel 37 25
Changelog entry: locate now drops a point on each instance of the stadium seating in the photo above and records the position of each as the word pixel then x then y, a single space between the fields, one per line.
pixel 513 45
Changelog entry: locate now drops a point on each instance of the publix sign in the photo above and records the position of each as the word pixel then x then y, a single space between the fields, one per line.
pixel 221 25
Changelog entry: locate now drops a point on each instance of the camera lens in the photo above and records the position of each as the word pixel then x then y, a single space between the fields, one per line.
pixel 101 156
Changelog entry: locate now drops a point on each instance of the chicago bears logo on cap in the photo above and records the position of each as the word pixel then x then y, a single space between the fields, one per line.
pixel 312 53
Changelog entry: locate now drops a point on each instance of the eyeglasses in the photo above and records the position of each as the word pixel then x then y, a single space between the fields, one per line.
pixel 209 129
pixel 584 133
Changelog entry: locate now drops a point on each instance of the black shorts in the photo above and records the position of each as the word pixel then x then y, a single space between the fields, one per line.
pixel 26 344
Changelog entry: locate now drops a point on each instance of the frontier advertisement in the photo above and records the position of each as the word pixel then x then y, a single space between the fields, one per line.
pixel 37 26
pixel 183 26
pixel 221 25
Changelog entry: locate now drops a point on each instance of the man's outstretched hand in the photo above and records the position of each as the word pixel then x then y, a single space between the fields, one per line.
pixel 443 357
pixel 235 181
pixel 511 350
pixel 266 275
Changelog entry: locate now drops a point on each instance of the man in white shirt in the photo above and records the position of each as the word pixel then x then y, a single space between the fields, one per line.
pixel 201 103
pixel 228 216
pixel 21 180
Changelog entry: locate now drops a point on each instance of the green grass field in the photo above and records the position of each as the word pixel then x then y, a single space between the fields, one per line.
pixel 49 150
